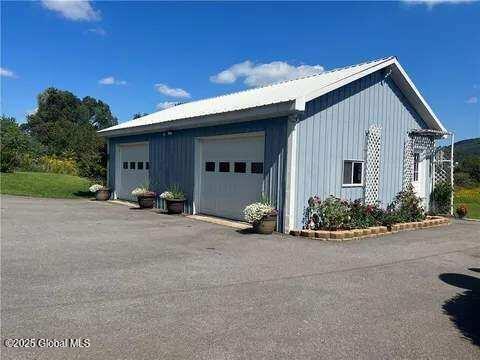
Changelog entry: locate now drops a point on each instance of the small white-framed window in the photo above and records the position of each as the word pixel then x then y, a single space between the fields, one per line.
pixel 352 173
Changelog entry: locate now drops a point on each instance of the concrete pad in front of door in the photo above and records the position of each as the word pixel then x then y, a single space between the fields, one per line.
pixel 221 221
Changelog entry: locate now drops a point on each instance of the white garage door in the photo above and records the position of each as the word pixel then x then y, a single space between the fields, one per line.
pixel 132 169
pixel 231 175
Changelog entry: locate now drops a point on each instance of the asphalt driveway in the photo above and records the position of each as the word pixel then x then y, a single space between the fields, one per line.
pixel 141 285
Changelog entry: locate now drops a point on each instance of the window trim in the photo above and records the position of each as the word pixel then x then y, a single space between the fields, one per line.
pixel 353 161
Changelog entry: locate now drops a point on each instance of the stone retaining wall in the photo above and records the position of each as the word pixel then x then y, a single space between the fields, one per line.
pixel 342 235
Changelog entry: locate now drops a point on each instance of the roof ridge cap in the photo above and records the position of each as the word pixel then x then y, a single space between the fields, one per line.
pixel 289 80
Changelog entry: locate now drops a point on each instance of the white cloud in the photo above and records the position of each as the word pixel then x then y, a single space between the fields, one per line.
pixel 110 80
pixel 166 104
pixel 7 73
pixel 172 92
pixel 431 3
pixel 263 74
pixel 32 112
pixel 97 31
pixel 472 100
pixel 73 10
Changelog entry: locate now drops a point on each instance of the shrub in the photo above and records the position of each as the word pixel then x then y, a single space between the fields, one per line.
pixel 335 214
pixel 257 211
pixel 440 197
pixel 390 218
pixel 14 144
pixel 462 210
pixel 57 165
pixel 407 206
pixel 363 216
pixel 311 216
pixel 464 179
pixel 330 214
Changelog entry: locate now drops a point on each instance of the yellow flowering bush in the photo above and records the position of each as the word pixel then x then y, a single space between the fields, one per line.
pixel 57 165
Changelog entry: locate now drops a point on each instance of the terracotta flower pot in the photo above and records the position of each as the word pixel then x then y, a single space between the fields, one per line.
pixel 103 194
pixel 266 226
pixel 146 201
pixel 174 206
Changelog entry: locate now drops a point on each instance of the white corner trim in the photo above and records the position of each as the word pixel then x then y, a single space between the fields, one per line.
pixel 117 177
pixel 290 184
pixel 197 184
pixel 300 104
pixel 109 160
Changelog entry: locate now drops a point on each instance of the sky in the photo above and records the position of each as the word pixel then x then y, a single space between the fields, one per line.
pixel 145 56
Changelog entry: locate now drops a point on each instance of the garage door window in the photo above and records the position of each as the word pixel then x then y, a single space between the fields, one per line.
pixel 125 164
pixel 257 167
pixel 147 165
pixel 132 165
pixel 240 167
pixel 224 166
pixel 210 166
pixel 140 165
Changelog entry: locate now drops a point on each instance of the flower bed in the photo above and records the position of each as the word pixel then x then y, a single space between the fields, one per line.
pixel 337 219
pixel 341 235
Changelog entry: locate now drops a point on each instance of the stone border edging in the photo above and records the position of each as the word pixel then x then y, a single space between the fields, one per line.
pixel 354 234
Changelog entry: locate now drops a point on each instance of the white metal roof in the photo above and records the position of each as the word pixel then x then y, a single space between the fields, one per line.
pixel 292 94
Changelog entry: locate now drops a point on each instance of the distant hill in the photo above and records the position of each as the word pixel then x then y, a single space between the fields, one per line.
pixel 467 162
pixel 464 148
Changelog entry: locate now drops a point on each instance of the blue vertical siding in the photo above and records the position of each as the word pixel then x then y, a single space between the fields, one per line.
pixel 172 157
pixel 333 129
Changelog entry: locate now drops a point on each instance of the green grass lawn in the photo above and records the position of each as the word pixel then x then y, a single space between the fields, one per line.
pixel 471 198
pixel 44 185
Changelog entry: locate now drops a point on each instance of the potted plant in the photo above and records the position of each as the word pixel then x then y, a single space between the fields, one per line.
pixel 174 198
pixel 462 211
pixel 263 217
pixel 145 197
pixel 102 193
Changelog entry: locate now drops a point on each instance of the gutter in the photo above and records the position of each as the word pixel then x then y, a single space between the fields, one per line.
pixel 258 113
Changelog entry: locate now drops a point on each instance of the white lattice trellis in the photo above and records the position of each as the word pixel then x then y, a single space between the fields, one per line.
pixel 415 143
pixel 407 163
pixel 372 174
pixel 425 143
pixel 442 168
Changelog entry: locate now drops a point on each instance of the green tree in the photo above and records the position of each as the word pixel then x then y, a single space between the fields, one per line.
pixel 67 127
pixel 14 144
pixel 98 113
pixel 471 165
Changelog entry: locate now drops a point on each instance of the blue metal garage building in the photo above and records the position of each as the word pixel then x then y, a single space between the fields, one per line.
pixel 362 131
